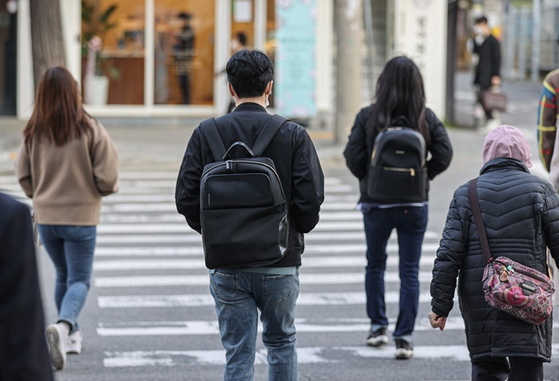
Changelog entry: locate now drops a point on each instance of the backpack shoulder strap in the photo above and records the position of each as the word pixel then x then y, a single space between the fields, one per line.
pixel 268 132
pixel 208 128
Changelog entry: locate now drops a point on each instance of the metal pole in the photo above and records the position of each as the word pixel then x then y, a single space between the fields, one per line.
pixel 511 42
pixel 536 40
pixel 523 48
pixel 368 9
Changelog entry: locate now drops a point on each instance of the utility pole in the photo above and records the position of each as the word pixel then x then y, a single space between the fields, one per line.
pixel 348 22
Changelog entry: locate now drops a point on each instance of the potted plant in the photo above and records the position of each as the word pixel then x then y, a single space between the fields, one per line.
pixel 96 24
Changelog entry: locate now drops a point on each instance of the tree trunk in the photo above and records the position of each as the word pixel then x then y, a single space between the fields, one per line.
pixel 348 21
pixel 46 34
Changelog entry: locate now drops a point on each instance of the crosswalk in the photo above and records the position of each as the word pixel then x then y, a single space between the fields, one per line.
pixel 150 284
pixel 148 259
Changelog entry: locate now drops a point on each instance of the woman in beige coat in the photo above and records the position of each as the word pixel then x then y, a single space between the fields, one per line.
pixel 66 163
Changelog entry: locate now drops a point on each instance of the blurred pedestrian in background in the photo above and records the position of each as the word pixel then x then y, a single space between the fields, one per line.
pixel 547 126
pixel 23 349
pixel 487 71
pixel 66 163
pixel 521 217
pixel 400 97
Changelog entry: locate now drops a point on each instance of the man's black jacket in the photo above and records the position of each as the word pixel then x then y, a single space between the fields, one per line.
pixel 295 159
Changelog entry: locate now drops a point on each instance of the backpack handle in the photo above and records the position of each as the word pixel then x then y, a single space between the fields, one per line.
pixel 237 144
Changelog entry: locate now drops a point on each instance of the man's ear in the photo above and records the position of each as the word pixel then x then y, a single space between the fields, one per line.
pixel 268 90
pixel 231 90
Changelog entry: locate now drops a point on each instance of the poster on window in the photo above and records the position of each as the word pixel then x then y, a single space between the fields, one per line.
pixel 295 61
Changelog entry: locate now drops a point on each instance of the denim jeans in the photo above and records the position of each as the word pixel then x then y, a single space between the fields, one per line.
pixel 238 297
pixel 410 224
pixel 71 251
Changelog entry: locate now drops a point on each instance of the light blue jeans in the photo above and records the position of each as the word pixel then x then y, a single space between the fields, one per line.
pixel 238 297
pixel 71 250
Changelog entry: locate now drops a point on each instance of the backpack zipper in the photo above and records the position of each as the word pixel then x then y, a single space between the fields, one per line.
pixel 410 170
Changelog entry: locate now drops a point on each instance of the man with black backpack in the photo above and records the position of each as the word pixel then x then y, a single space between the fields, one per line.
pixel 252 184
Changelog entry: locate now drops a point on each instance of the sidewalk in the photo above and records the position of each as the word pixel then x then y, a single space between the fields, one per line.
pixel 159 143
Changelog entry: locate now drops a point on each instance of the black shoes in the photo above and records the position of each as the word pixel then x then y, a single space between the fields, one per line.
pixel 404 349
pixel 377 338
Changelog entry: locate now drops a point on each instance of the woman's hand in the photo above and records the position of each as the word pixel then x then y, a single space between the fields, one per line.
pixel 437 321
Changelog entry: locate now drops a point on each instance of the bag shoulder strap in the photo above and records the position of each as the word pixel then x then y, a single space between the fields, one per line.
pixel 474 201
pixel 268 132
pixel 208 128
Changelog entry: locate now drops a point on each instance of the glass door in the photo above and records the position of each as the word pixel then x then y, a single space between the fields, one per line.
pixel 184 39
pixel 113 55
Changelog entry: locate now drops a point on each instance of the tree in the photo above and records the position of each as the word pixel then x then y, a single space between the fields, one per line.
pixel 348 24
pixel 46 34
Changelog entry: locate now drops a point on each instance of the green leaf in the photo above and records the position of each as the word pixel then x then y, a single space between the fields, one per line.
pixel 108 12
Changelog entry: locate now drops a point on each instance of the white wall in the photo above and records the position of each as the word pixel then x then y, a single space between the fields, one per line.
pixel 420 28
pixel 325 55
pixel 25 82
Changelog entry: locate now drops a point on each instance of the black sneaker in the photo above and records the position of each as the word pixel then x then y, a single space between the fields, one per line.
pixel 377 338
pixel 404 349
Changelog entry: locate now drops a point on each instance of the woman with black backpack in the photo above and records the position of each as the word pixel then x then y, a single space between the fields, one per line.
pixel 387 152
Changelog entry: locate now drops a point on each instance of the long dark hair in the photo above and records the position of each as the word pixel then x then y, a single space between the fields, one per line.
pixel 58 114
pixel 399 93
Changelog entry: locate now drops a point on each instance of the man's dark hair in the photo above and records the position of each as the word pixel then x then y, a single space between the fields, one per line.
pixel 242 38
pixel 249 72
pixel 481 20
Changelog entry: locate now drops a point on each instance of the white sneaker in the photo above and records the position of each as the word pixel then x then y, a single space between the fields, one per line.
pixel 74 345
pixel 57 336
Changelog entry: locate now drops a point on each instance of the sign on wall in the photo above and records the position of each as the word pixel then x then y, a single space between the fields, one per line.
pixel 420 34
pixel 295 61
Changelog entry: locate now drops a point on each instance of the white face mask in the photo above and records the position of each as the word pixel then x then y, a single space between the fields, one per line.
pixel 478 29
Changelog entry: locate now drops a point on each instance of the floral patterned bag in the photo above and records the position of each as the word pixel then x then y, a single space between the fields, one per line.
pixel 509 286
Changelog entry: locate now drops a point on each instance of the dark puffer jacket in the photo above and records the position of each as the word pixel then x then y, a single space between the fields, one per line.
pixel 521 217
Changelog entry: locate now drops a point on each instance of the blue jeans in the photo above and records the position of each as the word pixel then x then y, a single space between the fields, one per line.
pixel 238 297
pixel 410 223
pixel 71 251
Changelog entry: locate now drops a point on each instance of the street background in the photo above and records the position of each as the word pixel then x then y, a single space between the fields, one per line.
pixel 149 315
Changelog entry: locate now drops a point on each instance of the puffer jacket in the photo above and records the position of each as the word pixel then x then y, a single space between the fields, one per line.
pixel 360 148
pixel 521 217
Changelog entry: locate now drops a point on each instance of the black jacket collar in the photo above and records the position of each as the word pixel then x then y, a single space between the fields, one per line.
pixel 504 163
pixel 250 107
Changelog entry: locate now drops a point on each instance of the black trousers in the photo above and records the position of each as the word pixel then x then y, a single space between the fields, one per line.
pixel 498 369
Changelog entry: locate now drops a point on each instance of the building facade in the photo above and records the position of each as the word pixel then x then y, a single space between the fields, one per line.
pixel 167 57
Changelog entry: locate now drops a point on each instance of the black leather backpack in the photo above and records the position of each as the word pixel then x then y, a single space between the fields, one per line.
pixel 243 210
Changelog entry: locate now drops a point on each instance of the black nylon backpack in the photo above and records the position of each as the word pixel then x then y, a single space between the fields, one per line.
pixel 243 210
pixel 397 172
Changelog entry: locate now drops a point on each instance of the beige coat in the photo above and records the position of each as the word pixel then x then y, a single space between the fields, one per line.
pixel 67 182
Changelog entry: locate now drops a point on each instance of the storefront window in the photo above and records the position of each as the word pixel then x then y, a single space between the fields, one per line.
pixel 242 25
pixel 113 63
pixel 184 52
